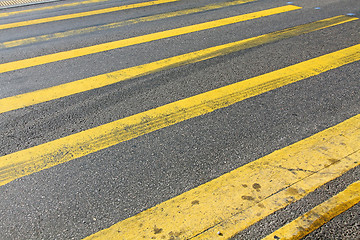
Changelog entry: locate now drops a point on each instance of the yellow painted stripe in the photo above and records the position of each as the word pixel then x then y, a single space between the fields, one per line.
pixel 319 215
pixel 48 94
pixel 234 201
pixel 34 159
pixel 83 14
pixel 30 62
pixel 262 209
pixel 6 14
pixel 47 37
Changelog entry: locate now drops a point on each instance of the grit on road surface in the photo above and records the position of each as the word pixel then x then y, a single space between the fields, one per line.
pixel 78 198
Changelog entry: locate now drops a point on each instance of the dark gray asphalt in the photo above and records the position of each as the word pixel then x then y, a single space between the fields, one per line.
pixel 78 198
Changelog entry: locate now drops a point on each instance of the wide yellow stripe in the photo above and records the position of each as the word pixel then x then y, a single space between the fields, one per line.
pixel 6 14
pixel 263 208
pixel 47 37
pixel 65 149
pixel 48 94
pixel 11 66
pixel 319 215
pixel 83 14
pixel 224 206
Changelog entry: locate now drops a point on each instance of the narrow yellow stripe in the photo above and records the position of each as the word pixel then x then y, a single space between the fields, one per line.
pixel 6 14
pixel 319 215
pixel 25 162
pixel 11 66
pixel 48 94
pixel 234 201
pixel 47 37
pixel 83 14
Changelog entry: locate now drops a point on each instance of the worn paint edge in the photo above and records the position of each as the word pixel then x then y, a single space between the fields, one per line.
pixel 83 14
pixel 319 215
pixel 103 47
pixel 222 208
pixel 86 84
pixel 234 225
pixel 74 32
pixel 43 156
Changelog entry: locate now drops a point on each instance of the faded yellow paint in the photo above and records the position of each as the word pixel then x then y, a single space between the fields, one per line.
pixel 82 14
pixel 34 159
pixel 236 200
pixel 319 215
pixel 239 222
pixel 31 62
pixel 48 94
pixel 6 14
pixel 47 37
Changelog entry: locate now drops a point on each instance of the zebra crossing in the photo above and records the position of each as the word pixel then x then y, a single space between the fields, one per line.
pixel 221 206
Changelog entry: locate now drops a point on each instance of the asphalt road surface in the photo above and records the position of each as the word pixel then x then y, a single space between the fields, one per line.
pixel 102 119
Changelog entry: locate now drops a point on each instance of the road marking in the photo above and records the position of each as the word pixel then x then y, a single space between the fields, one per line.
pixel 35 159
pixel 319 215
pixel 47 37
pixel 6 14
pixel 31 62
pixel 224 206
pixel 83 14
pixel 67 89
